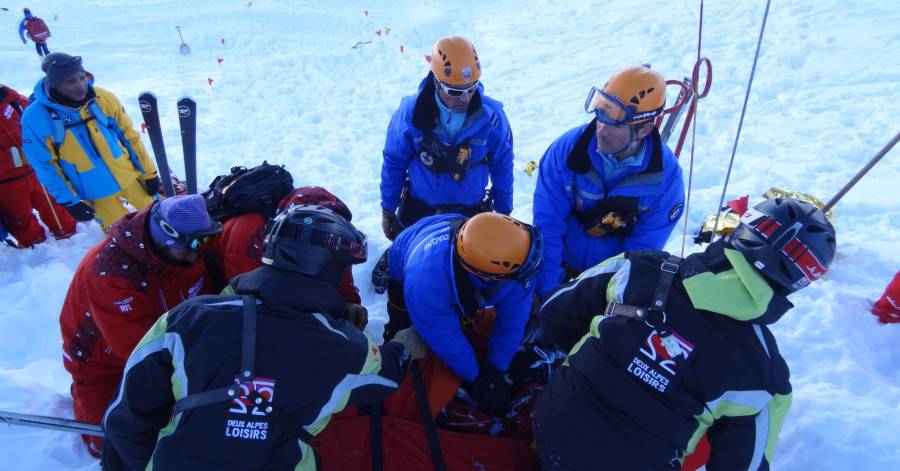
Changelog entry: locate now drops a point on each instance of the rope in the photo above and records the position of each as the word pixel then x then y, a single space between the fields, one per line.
pixel 694 79
pixel 737 136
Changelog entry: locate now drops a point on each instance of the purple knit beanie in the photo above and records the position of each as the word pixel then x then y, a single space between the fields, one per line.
pixel 186 214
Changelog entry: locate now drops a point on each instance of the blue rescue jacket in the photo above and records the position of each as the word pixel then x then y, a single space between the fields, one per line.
pixel 569 182
pixel 422 260
pixel 486 132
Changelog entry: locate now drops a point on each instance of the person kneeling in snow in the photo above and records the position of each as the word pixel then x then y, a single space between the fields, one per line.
pixel 146 265
pixel 246 380
pixel 239 248
pixel 680 348
pixel 459 280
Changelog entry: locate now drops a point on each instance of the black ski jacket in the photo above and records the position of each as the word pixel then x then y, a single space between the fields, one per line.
pixel 631 398
pixel 309 365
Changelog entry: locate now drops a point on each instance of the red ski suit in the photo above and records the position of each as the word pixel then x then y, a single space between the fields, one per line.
pixel 118 291
pixel 20 191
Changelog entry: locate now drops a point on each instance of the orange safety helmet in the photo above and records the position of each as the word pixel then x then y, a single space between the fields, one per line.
pixel 454 61
pixel 498 247
pixel 633 95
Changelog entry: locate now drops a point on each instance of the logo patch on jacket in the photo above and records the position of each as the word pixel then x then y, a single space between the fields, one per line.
pixel 656 366
pixel 254 400
pixel 675 212
pixel 125 304
pixel 7 112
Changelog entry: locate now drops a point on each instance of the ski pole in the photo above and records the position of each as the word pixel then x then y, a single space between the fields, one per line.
pixel 52 423
pixel 840 194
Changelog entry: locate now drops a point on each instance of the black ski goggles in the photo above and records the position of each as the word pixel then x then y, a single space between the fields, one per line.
pixel 356 250
pixel 456 92
pixel 525 271
pixel 191 242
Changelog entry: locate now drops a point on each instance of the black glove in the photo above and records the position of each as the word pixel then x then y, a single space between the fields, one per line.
pixel 390 224
pixel 152 186
pixel 357 314
pixel 81 211
pixel 489 389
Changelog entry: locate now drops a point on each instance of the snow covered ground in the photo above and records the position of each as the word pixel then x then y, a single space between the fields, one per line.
pixel 291 90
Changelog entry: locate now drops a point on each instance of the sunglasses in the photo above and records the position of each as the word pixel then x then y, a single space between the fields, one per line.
pixel 191 242
pixel 455 92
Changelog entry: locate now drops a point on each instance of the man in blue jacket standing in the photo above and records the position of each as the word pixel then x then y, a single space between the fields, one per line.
pixel 611 185
pixel 465 286
pixel 443 144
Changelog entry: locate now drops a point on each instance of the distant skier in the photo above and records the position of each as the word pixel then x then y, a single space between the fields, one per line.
pixel 150 261
pixel 608 186
pixel 36 30
pixel 665 350
pixel 83 145
pixel 20 191
pixel 275 341
pixel 444 143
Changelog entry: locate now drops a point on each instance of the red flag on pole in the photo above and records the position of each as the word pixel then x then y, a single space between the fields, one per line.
pixel 222 40
pixel 401 49
pixel 378 33
pixel 428 58
pixel 210 80
pixel 366 12
pixel 219 60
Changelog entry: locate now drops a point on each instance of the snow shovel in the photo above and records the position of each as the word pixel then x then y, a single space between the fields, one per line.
pixel 185 49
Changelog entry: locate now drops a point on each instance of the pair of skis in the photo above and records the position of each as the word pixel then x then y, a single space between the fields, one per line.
pixel 187 119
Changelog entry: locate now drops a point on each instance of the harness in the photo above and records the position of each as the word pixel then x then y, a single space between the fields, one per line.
pixel 654 316
pixel 244 381
pixel 611 215
pixel 440 158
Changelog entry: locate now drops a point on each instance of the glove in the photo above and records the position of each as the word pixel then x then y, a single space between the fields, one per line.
pixel 489 389
pixel 152 186
pixel 413 343
pixel 381 274
pixel 81 211
pixel 357 315
pixel 390 224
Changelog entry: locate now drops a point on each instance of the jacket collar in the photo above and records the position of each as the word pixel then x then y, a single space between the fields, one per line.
pixel 288 292
pixel 722 281
pixel 132 235
pixel 579 160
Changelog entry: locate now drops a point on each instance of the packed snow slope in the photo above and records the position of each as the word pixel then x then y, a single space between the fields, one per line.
pixel 290 89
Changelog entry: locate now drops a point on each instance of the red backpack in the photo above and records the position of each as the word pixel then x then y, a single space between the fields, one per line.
pixel 37 30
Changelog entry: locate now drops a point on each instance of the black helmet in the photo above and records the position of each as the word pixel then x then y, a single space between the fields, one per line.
pixel 789 241
pixel 313 240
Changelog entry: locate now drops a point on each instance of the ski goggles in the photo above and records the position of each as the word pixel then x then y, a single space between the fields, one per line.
pixel 191 242
pixel 608 110
pixel 355 249
pixel 456 92
pixel 526 270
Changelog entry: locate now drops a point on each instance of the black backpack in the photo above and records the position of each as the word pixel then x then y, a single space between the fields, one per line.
pixel 258 189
